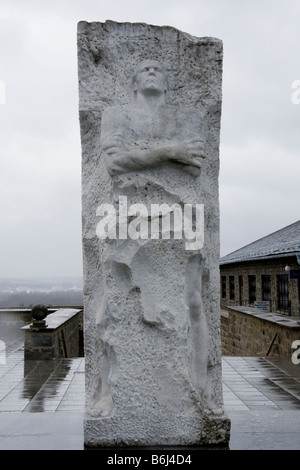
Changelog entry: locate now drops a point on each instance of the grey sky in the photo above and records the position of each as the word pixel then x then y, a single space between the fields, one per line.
pixel 40 229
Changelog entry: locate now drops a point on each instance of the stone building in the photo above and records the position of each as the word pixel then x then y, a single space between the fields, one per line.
pixel 260 294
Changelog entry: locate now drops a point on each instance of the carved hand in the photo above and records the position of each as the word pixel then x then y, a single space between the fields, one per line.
pixel 189 152
pixel 114 143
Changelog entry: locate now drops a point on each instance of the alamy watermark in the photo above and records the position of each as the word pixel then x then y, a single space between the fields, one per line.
pixel 296 353
pixel 2 92
pixel 296 93
pixel 163 221
pixel 2 352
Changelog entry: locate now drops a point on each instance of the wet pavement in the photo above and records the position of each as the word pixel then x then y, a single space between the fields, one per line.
pixel 42 402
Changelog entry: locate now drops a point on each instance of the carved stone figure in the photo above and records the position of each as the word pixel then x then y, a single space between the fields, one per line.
pixel 150 132
pixel 150 102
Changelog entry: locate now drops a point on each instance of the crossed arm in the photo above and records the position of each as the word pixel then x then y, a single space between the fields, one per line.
pixel 144 154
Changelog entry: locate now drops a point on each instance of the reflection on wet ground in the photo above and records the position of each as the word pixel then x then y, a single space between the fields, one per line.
pixel 249 383
pixel 42 402
pixel 39 386
pixel 256 383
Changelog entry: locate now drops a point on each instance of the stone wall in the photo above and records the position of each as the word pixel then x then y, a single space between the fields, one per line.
pixel 59 339
pixel 250 332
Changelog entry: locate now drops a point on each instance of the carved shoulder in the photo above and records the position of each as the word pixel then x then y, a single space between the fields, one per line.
pixel 113 118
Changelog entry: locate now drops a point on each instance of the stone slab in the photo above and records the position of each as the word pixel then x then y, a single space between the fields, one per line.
pixel 150 109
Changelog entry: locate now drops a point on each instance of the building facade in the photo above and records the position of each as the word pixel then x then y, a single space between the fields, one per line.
pixel 265 274
pixel 260 296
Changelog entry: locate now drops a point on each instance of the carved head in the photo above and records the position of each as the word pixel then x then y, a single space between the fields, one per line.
pixel 150 78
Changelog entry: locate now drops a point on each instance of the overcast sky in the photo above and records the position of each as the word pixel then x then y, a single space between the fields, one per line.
pixel 40 154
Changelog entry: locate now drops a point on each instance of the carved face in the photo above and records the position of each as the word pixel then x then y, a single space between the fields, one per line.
pixel 150 78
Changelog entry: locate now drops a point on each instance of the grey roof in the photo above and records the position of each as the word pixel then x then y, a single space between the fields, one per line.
pixel 284 242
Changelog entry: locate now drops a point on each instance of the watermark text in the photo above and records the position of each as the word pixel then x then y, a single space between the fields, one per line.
pixel 296 93
pixel 296 353
pixel 162 221
pixel 2 352
pixel 2 92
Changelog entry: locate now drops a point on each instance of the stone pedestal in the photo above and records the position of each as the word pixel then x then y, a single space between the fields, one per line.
pixel 150 108
pixel 59 338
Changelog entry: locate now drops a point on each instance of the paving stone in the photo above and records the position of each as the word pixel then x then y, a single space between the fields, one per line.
pixel 39 410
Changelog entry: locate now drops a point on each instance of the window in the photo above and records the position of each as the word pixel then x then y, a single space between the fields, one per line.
pixel 283 303
pixel 223 287
pixel 266 287
pixel 252 289
pixel 231 287
pixel 241 282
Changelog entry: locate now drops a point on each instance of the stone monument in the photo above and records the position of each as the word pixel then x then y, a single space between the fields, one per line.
pixel 150 109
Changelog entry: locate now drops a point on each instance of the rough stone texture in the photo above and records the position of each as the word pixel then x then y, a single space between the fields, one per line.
pixel 247 331
pixel 152 322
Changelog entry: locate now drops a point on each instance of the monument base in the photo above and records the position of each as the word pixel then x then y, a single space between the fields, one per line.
pixel 176 431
